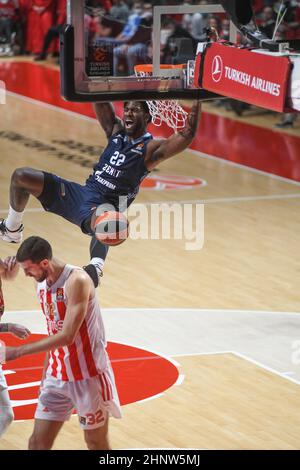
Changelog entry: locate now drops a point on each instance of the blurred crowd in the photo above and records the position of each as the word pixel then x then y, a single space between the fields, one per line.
pixel 33 27
pixel 25 24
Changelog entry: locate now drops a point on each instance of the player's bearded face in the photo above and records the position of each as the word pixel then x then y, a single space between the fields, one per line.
pixel 135 119
pixel 35 270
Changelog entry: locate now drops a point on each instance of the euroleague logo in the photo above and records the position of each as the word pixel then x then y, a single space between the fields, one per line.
pixel 217 69
pixel 163 182
pixel 99 54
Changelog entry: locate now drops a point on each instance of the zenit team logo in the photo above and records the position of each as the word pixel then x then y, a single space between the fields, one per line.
pixel 99 54
pixel 164 182
pixel 217 69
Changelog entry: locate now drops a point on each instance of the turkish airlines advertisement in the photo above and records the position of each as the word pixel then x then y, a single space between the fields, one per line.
pixel 253 77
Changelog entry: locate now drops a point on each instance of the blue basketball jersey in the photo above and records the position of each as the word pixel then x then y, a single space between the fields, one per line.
pixel 121 168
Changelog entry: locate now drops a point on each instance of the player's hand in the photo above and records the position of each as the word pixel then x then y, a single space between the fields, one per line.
pixel 19 331
pixel 11 268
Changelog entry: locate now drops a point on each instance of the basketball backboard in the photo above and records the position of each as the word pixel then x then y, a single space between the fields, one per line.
pixel 99 51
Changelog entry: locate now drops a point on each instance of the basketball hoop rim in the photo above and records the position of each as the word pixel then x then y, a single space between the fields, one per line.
pixel 149 67
pixel 167 71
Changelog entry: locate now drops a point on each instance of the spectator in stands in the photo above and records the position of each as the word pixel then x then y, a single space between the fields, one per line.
pixel 225 29
pixel 133 40
pixel 21 24
pixel 267 22
pixel 214 23
pixel 7 13
pixel 292 19
pixel 54 31
pixel 134 21
pixel 40 20
pixel 128 31
pixel 97 7
pixel 119 11
pixel 194 23
pixel 176 32
pixel 258 6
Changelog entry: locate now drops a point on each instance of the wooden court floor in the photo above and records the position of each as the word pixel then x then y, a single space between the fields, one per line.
pixel 249 261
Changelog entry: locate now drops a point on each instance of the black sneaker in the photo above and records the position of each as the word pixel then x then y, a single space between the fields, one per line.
pixel 11 236
pixel 94 273
pixel 284 124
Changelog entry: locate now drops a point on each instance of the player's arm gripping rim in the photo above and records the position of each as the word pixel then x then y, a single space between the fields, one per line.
pixel 78 289
pixel 160 150
pixel 107 118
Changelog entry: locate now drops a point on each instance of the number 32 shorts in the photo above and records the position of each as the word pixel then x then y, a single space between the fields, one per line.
pixel 94 400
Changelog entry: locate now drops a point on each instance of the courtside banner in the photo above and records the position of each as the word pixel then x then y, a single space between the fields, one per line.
pixel 256 78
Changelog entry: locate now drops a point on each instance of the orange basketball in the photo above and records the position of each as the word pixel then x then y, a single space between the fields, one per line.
pixel 111 228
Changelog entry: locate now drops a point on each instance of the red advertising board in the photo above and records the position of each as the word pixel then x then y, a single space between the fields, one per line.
pixel 256 78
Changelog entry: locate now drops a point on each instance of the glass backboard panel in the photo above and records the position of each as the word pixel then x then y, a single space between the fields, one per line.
pixel 106 40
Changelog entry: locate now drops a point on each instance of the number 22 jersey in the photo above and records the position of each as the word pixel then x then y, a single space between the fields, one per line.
pixel 121 167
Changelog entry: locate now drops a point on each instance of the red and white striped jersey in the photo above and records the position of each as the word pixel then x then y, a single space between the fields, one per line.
pixel 86 357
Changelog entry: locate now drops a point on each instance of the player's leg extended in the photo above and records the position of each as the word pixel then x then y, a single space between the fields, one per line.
pixel 97 439
pixel 24 182
pixel 98 252
pixel 6 412
pixel 54 408
pixel 44 434
pixel 96 399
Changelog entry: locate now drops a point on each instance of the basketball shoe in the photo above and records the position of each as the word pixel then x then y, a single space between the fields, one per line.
pixel 11 236
pixel 95 273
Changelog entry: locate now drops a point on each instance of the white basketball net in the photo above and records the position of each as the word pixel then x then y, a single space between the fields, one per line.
pixel 168 111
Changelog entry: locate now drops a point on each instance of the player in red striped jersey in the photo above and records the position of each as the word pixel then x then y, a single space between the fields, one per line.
pixel 8 271
pixel 78 374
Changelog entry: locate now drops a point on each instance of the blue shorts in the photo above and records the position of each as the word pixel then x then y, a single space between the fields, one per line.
pixel 72 201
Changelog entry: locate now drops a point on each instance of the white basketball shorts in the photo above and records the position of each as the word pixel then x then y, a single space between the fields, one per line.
pixel 94 399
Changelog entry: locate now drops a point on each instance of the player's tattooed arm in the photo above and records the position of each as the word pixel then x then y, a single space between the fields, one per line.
pixel 158 151
pixel 107 118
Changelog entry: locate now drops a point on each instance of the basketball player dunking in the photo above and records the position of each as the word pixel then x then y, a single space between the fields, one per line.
pixel 130 155
pixel 8 271
pixel 77 374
